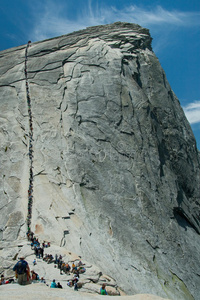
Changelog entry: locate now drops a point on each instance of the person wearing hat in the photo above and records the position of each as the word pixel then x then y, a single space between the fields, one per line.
pixel 22 271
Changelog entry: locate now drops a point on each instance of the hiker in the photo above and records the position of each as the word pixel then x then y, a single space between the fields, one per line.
pixel 53 284
pixel 56 259
pixel 103 290
pixel 76 273
pixel 9 280
pixel 81 270
pixel 39 251
pixel 32 246
pixel 60 266
pixel 67 267
pixel 2 281
pixel 64 268
pixel 42 280
pixel 42 252
pixel 22 271
pixel 45 257
pixel 31 233
pixel 59 286
pixel 69 283
pixel 35 276
pixel 28 235
pixel 80 263
pixel 36 250
pixel 73 267
pixel 50 258
pixel 75 281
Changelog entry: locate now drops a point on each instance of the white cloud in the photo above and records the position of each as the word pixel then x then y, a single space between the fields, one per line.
pixel 51 21
pixel 192 112
pixel 156 16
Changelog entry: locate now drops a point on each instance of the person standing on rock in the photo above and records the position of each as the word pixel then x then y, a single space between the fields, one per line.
pixel 22 270
pixel 42 252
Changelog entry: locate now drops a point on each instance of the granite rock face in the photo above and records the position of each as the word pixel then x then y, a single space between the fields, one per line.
pixel 115 165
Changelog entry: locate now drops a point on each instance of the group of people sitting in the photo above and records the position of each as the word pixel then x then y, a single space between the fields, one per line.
pixel 77 269
pixel 48 258
pixel 5 281
pixel 54 285
pixel 25 276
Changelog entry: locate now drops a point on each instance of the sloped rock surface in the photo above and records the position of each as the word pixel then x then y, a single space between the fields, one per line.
pixel 89 281
pixel 40 291
pixel 115 165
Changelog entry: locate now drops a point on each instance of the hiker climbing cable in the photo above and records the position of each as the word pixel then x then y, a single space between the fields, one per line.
pixel 30 152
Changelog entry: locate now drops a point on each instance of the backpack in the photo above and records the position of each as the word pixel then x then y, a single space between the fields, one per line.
pixel 21 267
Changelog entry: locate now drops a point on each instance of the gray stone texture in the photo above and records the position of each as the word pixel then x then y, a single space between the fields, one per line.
pixel 115 164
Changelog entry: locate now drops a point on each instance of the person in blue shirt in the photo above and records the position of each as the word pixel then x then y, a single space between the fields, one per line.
pixel 53 284
pixel 103 290
pixel 22 271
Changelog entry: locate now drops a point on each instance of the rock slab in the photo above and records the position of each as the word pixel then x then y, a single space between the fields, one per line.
pixel 115 165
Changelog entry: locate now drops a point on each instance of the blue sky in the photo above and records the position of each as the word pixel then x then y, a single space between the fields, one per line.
pixel 174 26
